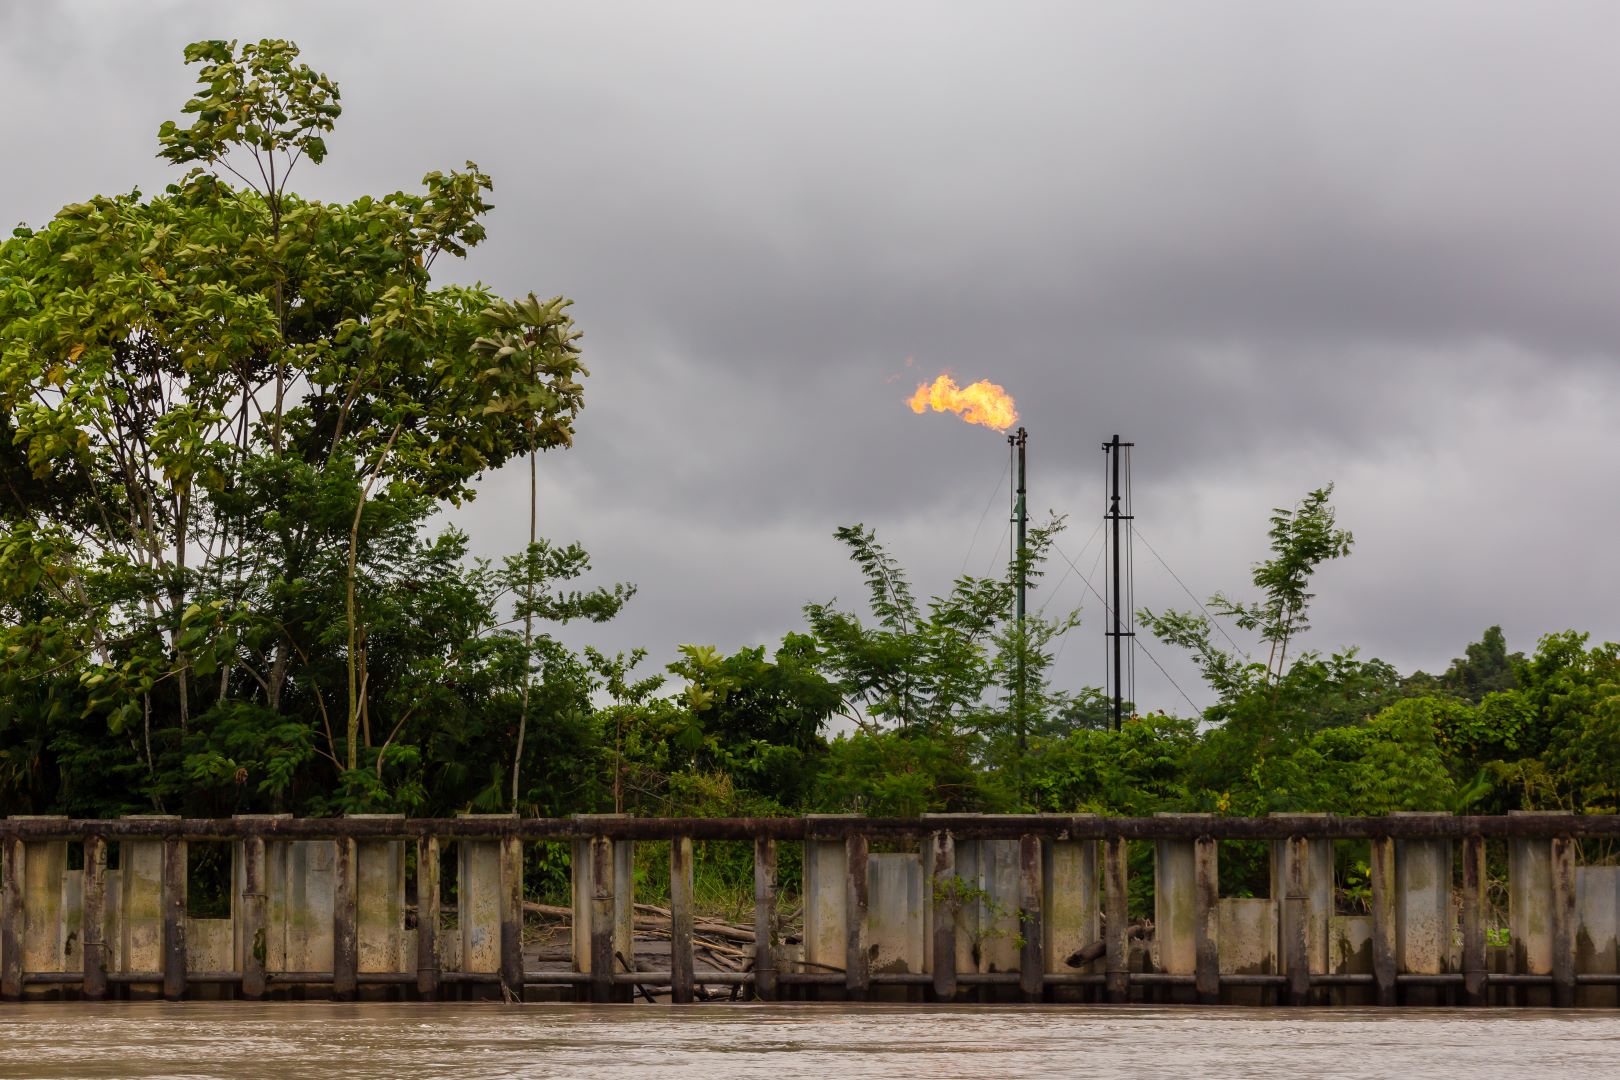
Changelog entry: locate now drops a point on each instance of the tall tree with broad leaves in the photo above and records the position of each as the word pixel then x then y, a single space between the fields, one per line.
pixel 207 394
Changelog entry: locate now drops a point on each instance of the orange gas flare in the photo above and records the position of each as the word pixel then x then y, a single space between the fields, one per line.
pixel 982 402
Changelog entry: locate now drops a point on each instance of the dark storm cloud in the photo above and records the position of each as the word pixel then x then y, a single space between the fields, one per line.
pixel 1276 244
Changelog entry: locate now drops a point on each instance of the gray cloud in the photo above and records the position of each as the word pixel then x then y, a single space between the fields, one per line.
pixel 1276 244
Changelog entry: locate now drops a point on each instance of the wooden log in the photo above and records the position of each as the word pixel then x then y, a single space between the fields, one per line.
pixel 1382 862
pixel 681 957
pixel 1473 920
pixel 345 937
pixel 512 918
pixel 857 961
pixel 174 918
pixel 92 940
pixel 11 918
pixel 742 934
pixel 1206 921
pixel 603 916
pixel 1096 950
pixel 1563 921
pixel 1116 916
pixel 765 918
pixel 253 908
pixel 1296 922
pixel 1031 961
pixel 427 916
pixel 947 901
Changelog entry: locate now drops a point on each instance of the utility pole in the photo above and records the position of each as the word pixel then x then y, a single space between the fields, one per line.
pixel 1114 449
pixel 1020 519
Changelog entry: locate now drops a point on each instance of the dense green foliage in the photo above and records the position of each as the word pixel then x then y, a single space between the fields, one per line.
pixel 229 413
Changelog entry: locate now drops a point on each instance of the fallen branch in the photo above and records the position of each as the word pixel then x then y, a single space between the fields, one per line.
pixel 1141 928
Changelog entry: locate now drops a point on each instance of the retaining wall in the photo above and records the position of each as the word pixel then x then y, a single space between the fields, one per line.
pixel 937 908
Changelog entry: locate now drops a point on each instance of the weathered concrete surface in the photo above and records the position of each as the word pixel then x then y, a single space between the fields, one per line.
pixel 140 931
pixel 995 934
pixel 1350 953
pixel 1248 938
pixel 1423 913
pixel 1597 932
pixel 380 907
pixel 964 899
pixel 273 881
pixel 1318 879
pixel 1174 915
pixel 44 866
pixel 1530 924
pixel 478 904
pixel 307 908
pixel 584 891
pixel 825 927
pixel 897 899
pixel 210 945
pixel 1057 885
pixel 73 920
pixel 1070 901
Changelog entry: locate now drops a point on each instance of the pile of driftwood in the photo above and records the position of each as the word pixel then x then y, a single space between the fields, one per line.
pixel 725 946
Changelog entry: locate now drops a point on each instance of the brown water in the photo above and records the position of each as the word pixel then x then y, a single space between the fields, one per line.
pixel 200 1039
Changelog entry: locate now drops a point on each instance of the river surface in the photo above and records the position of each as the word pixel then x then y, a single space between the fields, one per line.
pixel 832 1041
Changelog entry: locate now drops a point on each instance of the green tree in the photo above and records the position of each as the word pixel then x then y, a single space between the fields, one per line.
pixel 942 674
pixel 1485 668
pixel 208 393
pixel 761 719
pixel 1301 540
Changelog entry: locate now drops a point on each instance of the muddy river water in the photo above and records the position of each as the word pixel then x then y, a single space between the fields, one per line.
pixel 202 1039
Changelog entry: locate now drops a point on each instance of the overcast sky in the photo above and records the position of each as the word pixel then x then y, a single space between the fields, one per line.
pixel 1276 245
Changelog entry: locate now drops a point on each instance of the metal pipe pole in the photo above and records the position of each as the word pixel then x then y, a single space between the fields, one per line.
pixel 1021 512
pixel 1113 503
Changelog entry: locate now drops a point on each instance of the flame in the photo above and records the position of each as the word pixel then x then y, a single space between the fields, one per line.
pixel 982 402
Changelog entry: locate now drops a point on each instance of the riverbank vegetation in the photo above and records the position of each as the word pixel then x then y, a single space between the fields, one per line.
pixel 229 413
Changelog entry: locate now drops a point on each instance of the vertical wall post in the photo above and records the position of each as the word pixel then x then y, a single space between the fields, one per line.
pixel 379 901
pixel 680 921
pixel 427 916
pixel 11 918
pixel 765 918
pixel 479 901
pixel 1597 910
pixel 1175 907
pixel 1316 883
pixel 345 939
pixel 1070 904
pixel 174 918
pixel 1563 921
pixel 512 917
pixel 1473 920
pixel 1382 851
pixel 253 917
pixel 44 915
pixel 1117 913
pixel 603 915
pixel 1530 911
pixel 1423 911
pixel 946 899
pixel 142 910
pixel 1296 921
pixel 1207 920
pixel 259 907
pixel 92 932
pixel 1031 962
pixel 857 967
